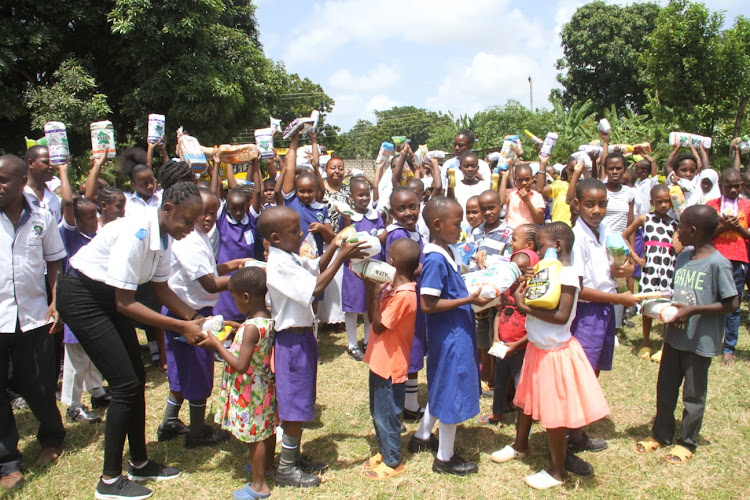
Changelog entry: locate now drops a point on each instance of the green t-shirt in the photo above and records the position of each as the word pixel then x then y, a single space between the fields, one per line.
pixel 701 282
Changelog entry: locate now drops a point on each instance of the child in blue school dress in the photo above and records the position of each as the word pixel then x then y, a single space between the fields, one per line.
pixel 452 359
pixel 300 193
pixel 237 226
pixel 368 220
pixel 405 211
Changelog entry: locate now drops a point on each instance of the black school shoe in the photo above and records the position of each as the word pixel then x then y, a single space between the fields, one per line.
pixel 207 437
pixel 413 416
pixel 417 445
pixel 356 353
pixel 587 443
pixel 307 466
pixel 101 401
pixel 171 430
pixel 121 489
pixel 296 477
pixel 456 466
pixel 578 466
pixel 81 413
pixel 153 471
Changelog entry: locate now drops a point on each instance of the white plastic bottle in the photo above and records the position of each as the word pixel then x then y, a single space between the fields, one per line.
pixel 549 144
pixel 375 270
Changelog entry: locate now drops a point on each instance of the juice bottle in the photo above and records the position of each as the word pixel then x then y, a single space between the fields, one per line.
pixel 495 178
pixel 451 177
pixel 545 286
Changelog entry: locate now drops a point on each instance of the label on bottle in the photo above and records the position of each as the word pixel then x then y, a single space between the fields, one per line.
pixel 539 285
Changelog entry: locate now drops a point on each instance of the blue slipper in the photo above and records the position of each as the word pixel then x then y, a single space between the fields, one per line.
pixel 249 470
pixel 247 493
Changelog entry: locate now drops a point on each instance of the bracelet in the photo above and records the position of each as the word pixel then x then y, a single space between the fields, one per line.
pixel 194 316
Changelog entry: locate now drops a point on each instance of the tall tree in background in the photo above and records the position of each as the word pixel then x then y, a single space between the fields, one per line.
pixel 602 44
pixel 200 63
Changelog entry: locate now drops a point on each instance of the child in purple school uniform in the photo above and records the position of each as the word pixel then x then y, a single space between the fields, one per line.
pixel 365 219
pixel 236 224
pixel 300 193
pixel 78 226
pixel 405 212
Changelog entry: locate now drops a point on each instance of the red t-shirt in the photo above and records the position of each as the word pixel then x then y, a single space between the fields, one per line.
pixel 511 323
pixel 731 244
pixel 388 352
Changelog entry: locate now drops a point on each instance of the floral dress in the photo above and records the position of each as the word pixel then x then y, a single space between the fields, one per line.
pixel 248 400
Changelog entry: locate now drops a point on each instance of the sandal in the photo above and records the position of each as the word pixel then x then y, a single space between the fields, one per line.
pixel 645 353
pixel 489 420
pixel 382 471
pixel 646 446
pixel 506 454
pixel 373 461
pixel 679 455
pixel 542 481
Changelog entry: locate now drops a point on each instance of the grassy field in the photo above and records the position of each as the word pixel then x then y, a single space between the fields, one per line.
pixel 342 435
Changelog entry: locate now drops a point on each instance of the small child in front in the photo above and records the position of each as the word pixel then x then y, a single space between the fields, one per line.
pixel 293 282
pixel 452 360
pixel 557 384
pixel 248 394
pixel 393 316
pixel 704 293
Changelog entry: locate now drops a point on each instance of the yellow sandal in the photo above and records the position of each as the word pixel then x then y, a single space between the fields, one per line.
pixel 382 471
pixel 679 455
pixel 645 353
pixel 373 461
pixel 646 446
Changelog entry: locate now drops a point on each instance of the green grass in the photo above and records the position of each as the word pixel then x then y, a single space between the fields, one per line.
pixel 342 435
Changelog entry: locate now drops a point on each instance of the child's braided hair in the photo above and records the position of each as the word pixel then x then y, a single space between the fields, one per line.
pixel 176 178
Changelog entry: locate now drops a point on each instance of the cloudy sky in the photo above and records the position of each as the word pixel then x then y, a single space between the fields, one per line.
pixel 446 55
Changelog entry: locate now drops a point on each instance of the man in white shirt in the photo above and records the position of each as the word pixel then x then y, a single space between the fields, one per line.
pixel 39 173
pixel 463 142
pixel 29 237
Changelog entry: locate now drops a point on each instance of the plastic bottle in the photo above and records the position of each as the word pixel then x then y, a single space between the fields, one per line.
pixel 660 309
pixel 451 177
pixel 375 270
pixel 744 144
pixel 503 165
pixel 549 145
pixel 57 142
pixel 373 243
pixel 495 178
pixel 103 139
pixel 546 285
pixel 604 126
pixel 156 128
pixel 534 138
pixel 678 198
pixel 385 153
pixel 591 148
pixel 618 251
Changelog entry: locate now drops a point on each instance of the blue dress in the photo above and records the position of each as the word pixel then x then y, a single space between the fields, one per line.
pixel 237 241
pixel 353 288
pixel 419 345
pixel 314 212
pixel 452 360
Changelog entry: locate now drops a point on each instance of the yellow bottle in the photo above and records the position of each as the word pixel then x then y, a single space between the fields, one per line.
pixel 451 177
pixel 545 286
pixel 495 179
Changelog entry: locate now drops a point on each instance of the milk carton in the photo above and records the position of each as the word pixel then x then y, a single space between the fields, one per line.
pixel 57 142
pixel 103 139
pixel 156 128
pixel 264 141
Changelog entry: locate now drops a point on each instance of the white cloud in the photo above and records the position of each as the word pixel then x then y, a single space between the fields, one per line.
pixel 380 78
pixel 380 102
pixel 340 23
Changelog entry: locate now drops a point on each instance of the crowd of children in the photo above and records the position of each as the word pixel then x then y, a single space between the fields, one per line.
pixel 272 254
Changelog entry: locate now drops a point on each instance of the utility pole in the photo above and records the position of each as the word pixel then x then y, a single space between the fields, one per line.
pixel 531 95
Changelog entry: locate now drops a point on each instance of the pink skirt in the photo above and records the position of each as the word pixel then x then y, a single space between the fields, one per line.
pixel 559 388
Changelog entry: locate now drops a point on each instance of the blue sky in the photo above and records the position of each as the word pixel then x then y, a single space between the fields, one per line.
pixel 441 55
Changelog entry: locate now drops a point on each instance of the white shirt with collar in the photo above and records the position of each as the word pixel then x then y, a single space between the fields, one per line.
pixel 49 201
pixel 371 215
pixel 291 282
pixel 192 258
pixel 23 293
pixel 135 206
pixel 455 163
pixel 591 259
pixel 126 253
